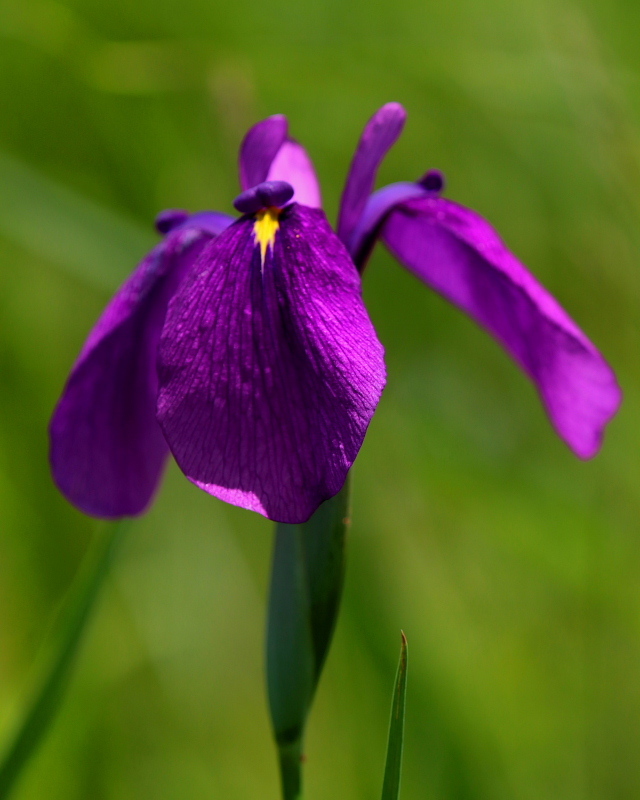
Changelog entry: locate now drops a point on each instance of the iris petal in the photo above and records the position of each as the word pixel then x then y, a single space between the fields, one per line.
pixel 293 165
pixel 379 134
pixel 258 149
pixel 457 253
pixel 267 154
pixel 270 374
pixel 107 449
pixel 365 233
pixel 213 222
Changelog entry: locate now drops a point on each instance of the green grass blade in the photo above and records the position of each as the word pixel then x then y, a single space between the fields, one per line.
pixel 41 711
pixel 393 768
pixel 93 243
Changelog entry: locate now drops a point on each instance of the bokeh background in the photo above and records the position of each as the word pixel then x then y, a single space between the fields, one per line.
pixel 513 568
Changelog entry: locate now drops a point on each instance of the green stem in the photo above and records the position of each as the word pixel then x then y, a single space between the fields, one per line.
pixel 307 575
pixel 46 700
pixel 290 756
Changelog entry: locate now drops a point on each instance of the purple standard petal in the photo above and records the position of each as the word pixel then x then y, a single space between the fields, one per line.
pixel 293 165
pixel 107 449
pixel 259 148
pixel 379 134
pixel 267 154
pixel 270 369
pixel 460 255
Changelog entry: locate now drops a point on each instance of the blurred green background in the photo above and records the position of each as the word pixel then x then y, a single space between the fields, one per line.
pixel 513 568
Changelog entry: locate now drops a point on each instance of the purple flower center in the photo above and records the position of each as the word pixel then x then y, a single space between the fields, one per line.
pixel 433 181
pixel 168 220
pixel 264 195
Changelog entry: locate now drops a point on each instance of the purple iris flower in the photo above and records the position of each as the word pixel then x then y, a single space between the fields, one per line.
pixel 243 345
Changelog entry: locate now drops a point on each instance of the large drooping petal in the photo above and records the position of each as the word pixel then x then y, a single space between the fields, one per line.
pixel 268 154
pixel 457 253
pixel 379 135
pixel 270 371
pixel 107 449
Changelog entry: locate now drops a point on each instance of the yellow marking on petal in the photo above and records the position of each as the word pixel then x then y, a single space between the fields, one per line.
pixel 265 228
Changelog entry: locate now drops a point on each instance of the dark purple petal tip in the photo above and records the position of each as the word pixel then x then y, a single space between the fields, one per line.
pixel 171 218
pixel 433 181
pixel 269 193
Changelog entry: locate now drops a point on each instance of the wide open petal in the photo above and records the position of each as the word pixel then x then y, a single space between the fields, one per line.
pixel 457 253
pixel 379 135
pixel 107 449
pixel 270 373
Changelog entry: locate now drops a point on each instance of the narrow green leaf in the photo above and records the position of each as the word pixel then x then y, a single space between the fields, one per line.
pixel 92 243
pixel 44 704
pixel 393 768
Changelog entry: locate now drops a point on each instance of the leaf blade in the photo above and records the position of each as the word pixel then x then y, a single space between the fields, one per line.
pixel 41 710
pixel 87 240
pixel 393 767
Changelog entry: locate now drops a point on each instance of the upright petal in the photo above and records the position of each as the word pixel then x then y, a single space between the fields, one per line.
pixel 457 253
pixel 270 369
pixel 258 149
pixel 268 154
pixel 107 449
pixel 379 134
pixel 293 165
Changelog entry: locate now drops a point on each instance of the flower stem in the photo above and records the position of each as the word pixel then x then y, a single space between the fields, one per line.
pixel 41 710
pixel 290 756
pixel 307 576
